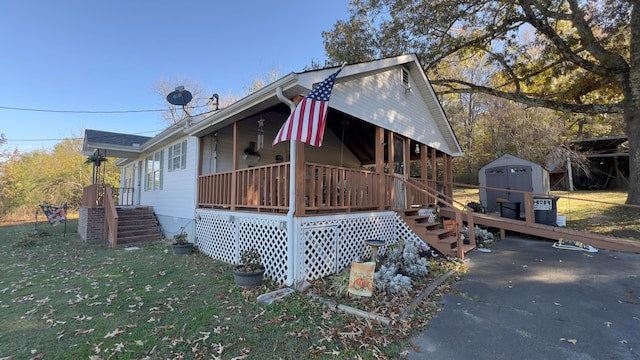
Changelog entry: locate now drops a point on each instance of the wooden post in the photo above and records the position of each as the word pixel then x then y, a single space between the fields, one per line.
pixel 528 208
pixel 234 173
pixel 391 165
pixel 301 172
pixel 424 163
pixel 448 175
pixel 379 159
pixel 434 173
pixel 406 170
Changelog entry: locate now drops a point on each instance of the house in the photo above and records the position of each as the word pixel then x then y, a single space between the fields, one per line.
pixel 217 177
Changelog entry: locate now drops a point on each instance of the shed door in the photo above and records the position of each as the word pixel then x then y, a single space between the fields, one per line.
pixel 516 177
pixel 519 179
pixel 497 177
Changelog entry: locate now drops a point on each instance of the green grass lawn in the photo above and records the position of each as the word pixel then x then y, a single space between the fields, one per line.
pixel 61 298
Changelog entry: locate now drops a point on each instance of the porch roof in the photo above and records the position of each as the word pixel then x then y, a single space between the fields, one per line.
pixel 112 144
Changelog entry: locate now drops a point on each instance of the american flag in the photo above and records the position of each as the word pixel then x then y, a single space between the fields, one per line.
pixel 306 123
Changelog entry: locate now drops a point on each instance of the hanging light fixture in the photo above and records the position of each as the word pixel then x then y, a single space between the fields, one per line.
pixel 260 142
pixel 417 150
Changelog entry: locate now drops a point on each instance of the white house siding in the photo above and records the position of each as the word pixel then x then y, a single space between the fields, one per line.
pixel 174 204
pixel 381 99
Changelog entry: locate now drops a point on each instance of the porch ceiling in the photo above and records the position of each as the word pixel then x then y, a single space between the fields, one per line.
pixel 359 136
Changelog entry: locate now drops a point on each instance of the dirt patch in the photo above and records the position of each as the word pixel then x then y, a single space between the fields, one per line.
pixel 626 233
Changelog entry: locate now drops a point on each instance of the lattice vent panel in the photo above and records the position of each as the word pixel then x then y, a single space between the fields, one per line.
pixel 223 235
pixel 320 251
pixel 216 235
pixel 328 244
pixel 332 243
pixel 269 237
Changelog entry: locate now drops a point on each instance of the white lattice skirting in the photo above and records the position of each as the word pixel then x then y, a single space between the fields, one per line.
pixel 322 245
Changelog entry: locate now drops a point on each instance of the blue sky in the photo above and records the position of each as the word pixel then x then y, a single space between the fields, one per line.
pixel 110 55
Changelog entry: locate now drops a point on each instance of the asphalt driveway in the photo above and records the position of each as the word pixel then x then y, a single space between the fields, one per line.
pixel 528 300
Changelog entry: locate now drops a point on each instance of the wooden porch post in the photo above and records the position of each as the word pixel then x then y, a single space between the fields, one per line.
pixel 434 172
pixel 234 175
pixel 379 156
pixel 301 191
pixel 391 164
pixel 424 165
pixel 448 175
pixel 406 170
pixel 424 173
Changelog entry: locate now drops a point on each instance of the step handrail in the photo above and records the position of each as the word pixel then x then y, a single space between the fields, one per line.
pixel 442 198
pixel 110 217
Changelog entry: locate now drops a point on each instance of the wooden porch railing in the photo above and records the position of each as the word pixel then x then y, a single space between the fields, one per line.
pixel 110 217
pixel 94 195
pixel 415 187
pixel 327 188
pixel 262 188
pixel 330 187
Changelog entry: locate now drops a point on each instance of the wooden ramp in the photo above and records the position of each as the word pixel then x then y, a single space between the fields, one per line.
pixel 549 232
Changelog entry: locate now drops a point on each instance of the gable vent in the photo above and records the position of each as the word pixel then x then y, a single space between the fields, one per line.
pixel 405 80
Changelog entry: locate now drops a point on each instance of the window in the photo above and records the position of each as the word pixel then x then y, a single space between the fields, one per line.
pixel 154 171
pixel 178 156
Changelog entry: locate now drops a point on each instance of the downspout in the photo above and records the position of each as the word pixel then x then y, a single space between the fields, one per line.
pixel 292 188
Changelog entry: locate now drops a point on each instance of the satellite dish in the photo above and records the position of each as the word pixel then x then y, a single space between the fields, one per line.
pixel 179 96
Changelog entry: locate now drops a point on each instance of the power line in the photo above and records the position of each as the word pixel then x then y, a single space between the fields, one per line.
pixel 90 111
pixel 77 138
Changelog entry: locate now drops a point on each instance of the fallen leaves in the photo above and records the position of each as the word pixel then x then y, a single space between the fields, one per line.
pixel 571 341
pixel 114 333
pixel 84 331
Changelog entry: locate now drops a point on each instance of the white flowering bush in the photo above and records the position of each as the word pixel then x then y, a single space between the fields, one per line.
pixel 401 262
pixel 484 238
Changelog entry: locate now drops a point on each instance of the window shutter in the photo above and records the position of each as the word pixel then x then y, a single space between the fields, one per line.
pixel 170 158
pixel 183 156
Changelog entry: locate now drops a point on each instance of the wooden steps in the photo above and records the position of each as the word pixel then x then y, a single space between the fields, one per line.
pixel 431 232
pixel 137 225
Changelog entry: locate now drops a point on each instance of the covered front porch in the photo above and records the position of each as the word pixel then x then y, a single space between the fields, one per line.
pixel 361 167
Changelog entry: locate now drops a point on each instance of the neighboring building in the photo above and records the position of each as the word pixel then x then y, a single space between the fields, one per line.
pixel 208 175
pixel 509 172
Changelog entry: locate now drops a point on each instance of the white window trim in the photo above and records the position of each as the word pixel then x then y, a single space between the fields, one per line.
pixel 150 183
pixel 177 156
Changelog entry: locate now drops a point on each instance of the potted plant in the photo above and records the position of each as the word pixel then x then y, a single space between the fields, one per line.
pixel 180 244
pixel 250 271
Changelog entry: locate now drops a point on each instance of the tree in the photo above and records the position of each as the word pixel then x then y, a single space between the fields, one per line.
pixel 53 176
pixel 566 55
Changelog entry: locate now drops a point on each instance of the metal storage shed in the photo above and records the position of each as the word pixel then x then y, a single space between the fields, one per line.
pixel 511 172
